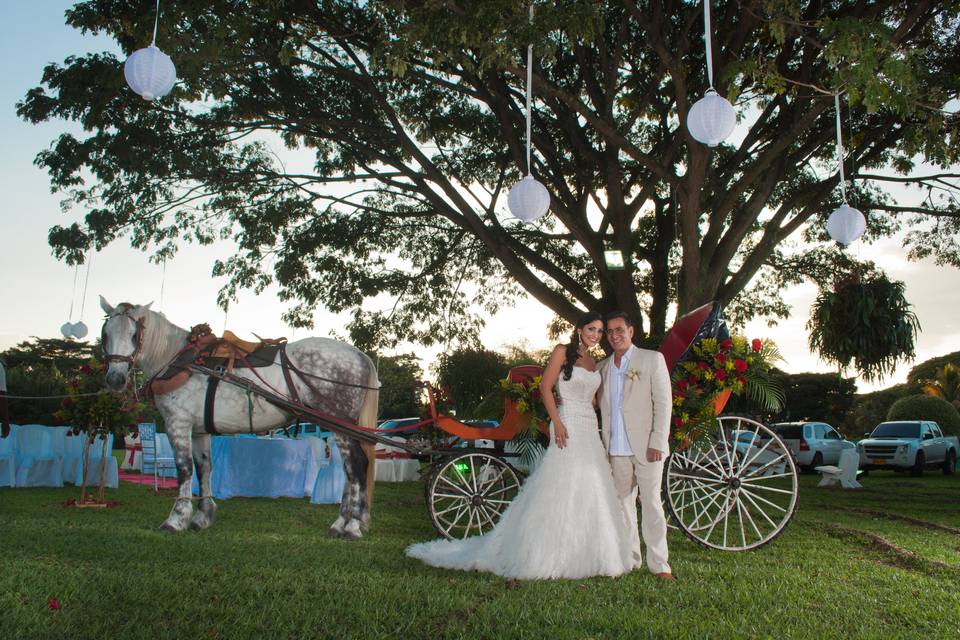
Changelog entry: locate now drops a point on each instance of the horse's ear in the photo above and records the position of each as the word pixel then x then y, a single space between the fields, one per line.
pixel 146 307
pixel 105 306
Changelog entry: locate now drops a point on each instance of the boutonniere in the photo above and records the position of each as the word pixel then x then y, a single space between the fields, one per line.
pixel 632 374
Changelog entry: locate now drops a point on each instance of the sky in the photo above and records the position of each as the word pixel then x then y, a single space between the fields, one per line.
pixel 39 291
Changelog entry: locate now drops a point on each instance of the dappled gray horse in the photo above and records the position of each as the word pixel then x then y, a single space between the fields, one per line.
pixel 337 380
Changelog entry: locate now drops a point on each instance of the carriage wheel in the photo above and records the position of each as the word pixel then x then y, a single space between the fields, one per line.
pixel 733 490
pixel 467 494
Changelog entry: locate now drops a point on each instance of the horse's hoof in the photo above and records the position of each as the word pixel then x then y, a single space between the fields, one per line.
pixel 171 527
pixel 352 531
pixel 200 520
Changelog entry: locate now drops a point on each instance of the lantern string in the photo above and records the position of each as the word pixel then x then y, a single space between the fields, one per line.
pixel 163 281
pixel 706 37
pixel 156 21
pixel 73 296
pixel 86 281
pixel 843 187
pixel 529 90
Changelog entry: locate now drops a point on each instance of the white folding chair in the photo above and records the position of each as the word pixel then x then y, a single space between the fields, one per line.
pixel 8 459
pixel 154 461
pixel 39 456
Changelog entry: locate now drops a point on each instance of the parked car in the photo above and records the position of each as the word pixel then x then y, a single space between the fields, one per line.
pixel 752 448
pixel 395 427
pixel 908 444
pixel 812 443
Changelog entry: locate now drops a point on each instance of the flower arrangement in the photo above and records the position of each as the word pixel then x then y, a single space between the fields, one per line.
pixel 714 367
pixel 92 409
pixel 527 398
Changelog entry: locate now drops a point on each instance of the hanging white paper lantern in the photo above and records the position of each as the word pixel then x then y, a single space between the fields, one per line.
pixel 67 329
pixel 528 200
pixel 80 330
pixel 711 119
pixel 150 72
pixel 846 224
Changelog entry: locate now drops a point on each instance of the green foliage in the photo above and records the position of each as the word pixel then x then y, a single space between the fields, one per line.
pixel 427 131
pixel 62 355
pixel 864 321
pixel 927 369
pixel 93 409
pixel 470 375
pixel 39 384
pixel 924 407
pixel 870 409
pixel 825 397
pixel 399 386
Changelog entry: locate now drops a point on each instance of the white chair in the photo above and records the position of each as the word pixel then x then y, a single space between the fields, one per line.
pixel 844 474
pixel 110 471
pixel 328 488
pixel 73 455
pixel 155 461
pixel 39 456
pixel 8 459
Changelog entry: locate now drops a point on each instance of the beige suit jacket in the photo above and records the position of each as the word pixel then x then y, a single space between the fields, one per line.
pixel 647 403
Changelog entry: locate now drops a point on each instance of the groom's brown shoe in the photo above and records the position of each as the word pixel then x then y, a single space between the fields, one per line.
pixel 666 575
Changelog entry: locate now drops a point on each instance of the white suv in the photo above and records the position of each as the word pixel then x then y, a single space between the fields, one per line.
pixel 812 443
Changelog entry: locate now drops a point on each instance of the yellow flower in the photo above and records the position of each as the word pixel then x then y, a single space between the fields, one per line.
pixel 522 406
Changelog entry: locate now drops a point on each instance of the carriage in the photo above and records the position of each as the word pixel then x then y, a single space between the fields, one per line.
pixel 733 489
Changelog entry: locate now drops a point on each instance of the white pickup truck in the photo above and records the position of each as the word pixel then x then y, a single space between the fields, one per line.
pixel 908 444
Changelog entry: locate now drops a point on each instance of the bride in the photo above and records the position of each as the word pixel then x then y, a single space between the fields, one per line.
pixel 567 521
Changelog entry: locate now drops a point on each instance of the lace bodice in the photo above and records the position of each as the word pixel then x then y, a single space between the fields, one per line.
pixel 580 388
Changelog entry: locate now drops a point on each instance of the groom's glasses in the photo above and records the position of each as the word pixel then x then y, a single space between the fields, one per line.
pixel 619 331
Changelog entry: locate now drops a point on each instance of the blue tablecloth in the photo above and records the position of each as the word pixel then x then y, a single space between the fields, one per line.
pixel 263 467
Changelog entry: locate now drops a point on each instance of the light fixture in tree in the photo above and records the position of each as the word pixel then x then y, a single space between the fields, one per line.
pixel 79 330
pixel 846 224
pixel 529 200
pixel 712 118
pixel 67 329
pixel 149 71
pixel 614 259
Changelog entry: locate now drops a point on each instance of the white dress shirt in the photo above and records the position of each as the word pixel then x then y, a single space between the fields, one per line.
pixel 619 444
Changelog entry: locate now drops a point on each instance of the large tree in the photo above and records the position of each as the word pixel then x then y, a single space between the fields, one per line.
pixel 413 115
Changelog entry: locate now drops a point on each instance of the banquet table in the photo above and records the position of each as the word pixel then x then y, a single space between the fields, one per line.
pixel 263 467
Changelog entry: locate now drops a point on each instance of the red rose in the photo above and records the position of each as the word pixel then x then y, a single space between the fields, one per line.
pixel 86 369
pixel 741 380
pixel 756 344
pixel 720 375
pixel 703 366
pixel 720 358
pixel 680 394
pixel 692 379
pixel 681 384
pixel 67 402
pixel 726 344
pixel 678 422
pixel 740 365
pixel 53 604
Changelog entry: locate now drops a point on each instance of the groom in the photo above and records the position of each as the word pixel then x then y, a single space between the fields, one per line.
pixel 635 406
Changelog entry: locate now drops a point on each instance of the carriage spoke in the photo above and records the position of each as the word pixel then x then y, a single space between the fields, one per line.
pixel 473 475
pixel 757 453
pixel 758 472
pixel 752 481
pixel 764 500
pixel 754 485
pixel 454 486
pixel 746 494
pixel 698 478
pixel 746 512
pixel 743 533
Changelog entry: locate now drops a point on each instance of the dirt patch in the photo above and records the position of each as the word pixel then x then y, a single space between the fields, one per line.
pixel 935 526
pixel 894 554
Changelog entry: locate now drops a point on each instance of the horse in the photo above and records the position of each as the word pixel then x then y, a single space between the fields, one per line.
pixel 332 378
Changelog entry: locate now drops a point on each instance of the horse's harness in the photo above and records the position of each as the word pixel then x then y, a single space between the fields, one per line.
pixel 193 345
pixel 138 338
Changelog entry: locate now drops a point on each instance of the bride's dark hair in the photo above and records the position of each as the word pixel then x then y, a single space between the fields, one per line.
pixel 573 347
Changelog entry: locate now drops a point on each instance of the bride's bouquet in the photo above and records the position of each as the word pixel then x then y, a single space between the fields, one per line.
pixel 715 369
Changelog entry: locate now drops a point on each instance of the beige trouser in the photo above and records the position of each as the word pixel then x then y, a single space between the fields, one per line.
pixel 629 475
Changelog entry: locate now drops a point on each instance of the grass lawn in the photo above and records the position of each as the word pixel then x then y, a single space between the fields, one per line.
pixel 880 562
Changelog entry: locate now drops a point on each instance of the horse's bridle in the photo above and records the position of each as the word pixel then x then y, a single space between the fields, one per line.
pixel 138 336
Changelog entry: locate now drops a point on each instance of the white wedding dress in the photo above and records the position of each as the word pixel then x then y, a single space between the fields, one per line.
pixel 566 522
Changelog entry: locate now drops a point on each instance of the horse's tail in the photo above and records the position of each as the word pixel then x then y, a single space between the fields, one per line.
pixel 371 401
pixel 368 418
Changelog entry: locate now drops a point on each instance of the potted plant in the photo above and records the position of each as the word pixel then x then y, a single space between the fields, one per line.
pixel 94 411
